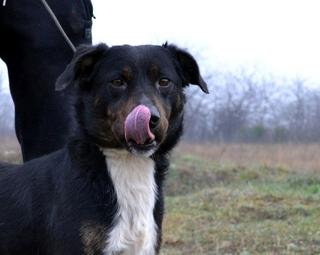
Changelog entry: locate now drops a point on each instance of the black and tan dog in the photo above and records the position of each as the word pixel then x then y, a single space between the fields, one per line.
pixel 102 194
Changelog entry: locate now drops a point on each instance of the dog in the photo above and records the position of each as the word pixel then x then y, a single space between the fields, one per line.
pixel 103 192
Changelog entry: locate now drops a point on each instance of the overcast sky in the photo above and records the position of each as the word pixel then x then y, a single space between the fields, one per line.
pixel 281 37
pixel 276 36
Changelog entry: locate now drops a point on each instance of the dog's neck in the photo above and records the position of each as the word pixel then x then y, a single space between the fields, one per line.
pixel 134 183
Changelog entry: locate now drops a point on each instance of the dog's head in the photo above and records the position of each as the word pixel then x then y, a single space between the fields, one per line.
pixel 131 96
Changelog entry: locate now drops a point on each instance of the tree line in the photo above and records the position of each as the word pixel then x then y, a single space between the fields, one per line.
pixel 242 106
pixel 246 107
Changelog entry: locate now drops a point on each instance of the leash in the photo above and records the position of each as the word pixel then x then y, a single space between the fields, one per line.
pixel 56 21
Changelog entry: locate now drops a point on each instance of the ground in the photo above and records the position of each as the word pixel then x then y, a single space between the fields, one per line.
pixel 221 201
pixel 238 199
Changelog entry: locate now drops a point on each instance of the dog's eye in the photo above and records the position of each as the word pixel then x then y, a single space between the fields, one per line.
pixel 164 82
pixel 118 83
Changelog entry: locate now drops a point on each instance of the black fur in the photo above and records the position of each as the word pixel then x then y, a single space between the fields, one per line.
pixel 50 204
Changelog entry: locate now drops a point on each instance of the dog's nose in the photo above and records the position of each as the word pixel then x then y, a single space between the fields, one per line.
pixel 155 118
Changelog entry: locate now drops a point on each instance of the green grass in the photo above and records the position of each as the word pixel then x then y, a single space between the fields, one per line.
pixel 213 208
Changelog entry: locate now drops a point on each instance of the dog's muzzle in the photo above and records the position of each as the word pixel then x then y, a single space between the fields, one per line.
pixel 138 126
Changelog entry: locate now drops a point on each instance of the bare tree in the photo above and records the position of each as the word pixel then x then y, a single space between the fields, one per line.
pixel 243 106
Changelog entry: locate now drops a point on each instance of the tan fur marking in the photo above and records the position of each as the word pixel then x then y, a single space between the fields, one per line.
pixel 93 237
pixel 164 117
pixel 127 73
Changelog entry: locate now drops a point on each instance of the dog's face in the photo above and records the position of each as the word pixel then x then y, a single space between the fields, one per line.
pixel 131 96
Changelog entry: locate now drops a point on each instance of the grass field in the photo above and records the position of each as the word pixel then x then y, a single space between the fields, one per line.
pixel 243 199
pixel 238 199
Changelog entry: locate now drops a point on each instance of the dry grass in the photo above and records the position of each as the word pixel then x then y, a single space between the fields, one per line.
pixel 243 199
pixel 295 157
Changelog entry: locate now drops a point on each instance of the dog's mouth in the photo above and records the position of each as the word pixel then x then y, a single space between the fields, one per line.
pixel 142 149
pixel 138 135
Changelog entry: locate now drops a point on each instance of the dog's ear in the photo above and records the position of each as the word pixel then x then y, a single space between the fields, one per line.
pixel 78 71
pixel 189 67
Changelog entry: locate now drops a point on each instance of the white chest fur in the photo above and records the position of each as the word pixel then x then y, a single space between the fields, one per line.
pixel 134 232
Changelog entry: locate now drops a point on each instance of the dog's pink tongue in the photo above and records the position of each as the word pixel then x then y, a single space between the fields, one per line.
pixel 136 126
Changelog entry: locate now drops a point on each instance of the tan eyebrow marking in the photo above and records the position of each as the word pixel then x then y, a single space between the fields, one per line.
pixel 127 73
